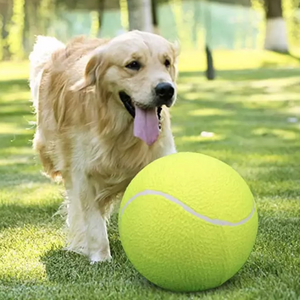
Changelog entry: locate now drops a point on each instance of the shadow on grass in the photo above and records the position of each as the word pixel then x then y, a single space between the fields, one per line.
pixel 8 140
pixel 13 85
pixel 70 267
pixel 11 177
pixel 15 113
pixel 14 215
pixel 66 267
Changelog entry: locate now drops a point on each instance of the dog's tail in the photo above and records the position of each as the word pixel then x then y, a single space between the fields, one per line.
pixel 41 54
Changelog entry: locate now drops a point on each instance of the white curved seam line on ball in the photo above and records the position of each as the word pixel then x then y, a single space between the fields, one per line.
pixel 188 209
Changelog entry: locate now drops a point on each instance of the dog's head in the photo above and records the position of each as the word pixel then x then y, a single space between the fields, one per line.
pixel 139 70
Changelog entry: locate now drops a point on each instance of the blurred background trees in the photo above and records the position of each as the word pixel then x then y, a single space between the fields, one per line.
pixel 232 24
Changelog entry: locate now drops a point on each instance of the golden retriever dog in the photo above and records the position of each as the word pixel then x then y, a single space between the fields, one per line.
pixel 102 111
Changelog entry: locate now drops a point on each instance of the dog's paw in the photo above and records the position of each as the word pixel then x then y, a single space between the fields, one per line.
pixel 100 256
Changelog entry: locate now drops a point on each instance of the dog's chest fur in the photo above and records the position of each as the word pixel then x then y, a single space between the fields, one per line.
pixel 112 162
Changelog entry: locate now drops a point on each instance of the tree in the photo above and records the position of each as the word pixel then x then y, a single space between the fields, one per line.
pixel 15 37
pixel 5 15
pixel 210 71
pixel 276 32
pixel 100 14
pixel 154 8
pixel 140 15
pixel 97 18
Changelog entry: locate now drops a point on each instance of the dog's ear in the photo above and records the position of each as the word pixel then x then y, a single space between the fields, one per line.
pixel 91 72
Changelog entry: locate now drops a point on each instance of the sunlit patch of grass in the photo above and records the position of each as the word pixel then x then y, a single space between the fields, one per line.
pixel 195 60
pixel 14 70
pixel 14 152
pixel 31 193
pixel 9 97
pixel 210 112
pixel 199 138
pixel 12 129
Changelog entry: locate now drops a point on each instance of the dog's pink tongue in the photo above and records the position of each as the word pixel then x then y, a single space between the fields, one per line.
pixel 146 125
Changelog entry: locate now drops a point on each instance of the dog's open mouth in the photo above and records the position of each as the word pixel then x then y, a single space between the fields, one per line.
pixel 147 122
pixel 125 98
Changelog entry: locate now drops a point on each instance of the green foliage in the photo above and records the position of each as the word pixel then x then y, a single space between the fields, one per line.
pixel 95 24
pixel 15 37
pixel 124 14
pixel 258 7
pixel 291 14
pixel 46 15
pixel 182 23
pixel 247 110
pixel 1 40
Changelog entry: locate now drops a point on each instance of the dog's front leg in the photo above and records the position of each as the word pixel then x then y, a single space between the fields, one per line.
pixel 87 221
pixel 96 233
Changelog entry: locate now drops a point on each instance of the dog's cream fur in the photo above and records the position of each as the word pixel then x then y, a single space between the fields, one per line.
pixel 85 135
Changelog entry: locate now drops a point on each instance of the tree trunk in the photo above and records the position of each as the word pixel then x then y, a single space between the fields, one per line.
pixel 26 29
pixel 100 15
pixel 154 16
pixel 276 32
pixel 5 15
pixel 140 15
pixel 210 71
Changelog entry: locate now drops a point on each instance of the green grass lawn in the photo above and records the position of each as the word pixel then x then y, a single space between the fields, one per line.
pixel 247 110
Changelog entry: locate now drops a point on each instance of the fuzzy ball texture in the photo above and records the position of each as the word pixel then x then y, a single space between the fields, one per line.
pixel 188 222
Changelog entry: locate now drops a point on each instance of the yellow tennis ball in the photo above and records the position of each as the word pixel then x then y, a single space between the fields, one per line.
pixel 188 222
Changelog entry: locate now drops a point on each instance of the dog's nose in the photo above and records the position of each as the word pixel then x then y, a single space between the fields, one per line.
pixel 164 92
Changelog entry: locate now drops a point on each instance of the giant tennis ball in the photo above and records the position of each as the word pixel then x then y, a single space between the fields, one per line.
pixel 188 222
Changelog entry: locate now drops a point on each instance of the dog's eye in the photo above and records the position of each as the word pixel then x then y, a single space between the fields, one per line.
pixel 167 63
pixel 134 65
